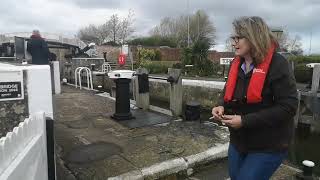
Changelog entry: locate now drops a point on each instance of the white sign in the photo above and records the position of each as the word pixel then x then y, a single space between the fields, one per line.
pixel 125 49
pixel 225 61
pixel 11 85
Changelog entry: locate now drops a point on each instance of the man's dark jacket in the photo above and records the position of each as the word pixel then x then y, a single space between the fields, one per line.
pixel 38 49
pixel 266 126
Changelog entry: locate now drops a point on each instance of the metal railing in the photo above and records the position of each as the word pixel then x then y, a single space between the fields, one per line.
pixel 77 73
pixel 106 67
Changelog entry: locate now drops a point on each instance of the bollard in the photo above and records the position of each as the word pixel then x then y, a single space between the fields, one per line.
pixel 307 171
pixel 100 89
pixel 307 168
pixel 141 88
pixel 93 67
pixel 122 78
pixel 192 112
pixel 64 81
pixel 176 92
pixel 122 111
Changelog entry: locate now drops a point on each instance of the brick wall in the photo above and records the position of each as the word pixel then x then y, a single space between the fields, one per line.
pixel 215 56
pixel 112 52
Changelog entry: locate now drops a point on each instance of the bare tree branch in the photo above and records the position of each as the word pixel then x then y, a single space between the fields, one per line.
pixel 115 29
pixel 177 29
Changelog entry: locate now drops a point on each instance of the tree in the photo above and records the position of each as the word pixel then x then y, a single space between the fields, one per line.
pixel 115 29
pixel 290 44
pixel 197 55
pixel 126 29
pixel 295 45
pixel 114 24
pixel 201 27
pixel 166 28
pixel 154 41
pixel 228 45
pixel 89 34
pixel 282 39
pixel 177 29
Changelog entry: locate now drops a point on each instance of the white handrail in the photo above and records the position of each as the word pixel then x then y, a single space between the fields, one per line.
pixel 75 76
pixel 77 73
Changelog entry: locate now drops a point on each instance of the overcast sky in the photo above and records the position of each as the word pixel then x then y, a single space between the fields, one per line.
pixel 299 17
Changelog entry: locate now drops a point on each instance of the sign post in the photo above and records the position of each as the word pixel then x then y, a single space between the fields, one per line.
pixel 224 62
pixel 11 85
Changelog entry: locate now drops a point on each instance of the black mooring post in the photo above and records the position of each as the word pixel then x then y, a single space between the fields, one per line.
pixel 122 100
pixel 50 149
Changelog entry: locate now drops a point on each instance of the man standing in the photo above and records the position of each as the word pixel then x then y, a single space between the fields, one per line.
pixel 38 49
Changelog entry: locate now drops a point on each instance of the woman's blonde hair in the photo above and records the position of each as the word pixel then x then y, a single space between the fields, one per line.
pixel 257 32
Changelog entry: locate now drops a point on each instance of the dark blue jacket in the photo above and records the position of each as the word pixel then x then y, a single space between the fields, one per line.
pixel 38 49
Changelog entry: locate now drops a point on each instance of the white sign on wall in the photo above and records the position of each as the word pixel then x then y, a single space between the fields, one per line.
pixel 11 85
pixel 225 61
pixel 125 49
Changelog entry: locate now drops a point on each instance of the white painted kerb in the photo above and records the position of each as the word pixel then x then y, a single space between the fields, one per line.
pixel 175 165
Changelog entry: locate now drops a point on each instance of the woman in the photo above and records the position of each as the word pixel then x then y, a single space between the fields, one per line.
pixel 258 104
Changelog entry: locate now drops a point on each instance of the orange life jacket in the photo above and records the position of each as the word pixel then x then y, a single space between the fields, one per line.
pixel 256 82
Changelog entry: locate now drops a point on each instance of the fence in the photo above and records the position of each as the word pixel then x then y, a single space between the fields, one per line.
pixel 23 152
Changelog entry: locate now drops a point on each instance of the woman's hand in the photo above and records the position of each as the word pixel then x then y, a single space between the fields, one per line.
pixel 217 112
pixel 233 121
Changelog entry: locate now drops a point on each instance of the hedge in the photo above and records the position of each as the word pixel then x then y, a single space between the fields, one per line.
pixel 305 59
pixel 302 73
pixel 157 67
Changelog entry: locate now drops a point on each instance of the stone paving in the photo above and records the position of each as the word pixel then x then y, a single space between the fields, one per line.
pixel 90 145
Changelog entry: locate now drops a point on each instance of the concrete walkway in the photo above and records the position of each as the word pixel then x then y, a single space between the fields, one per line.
pixel 90 145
